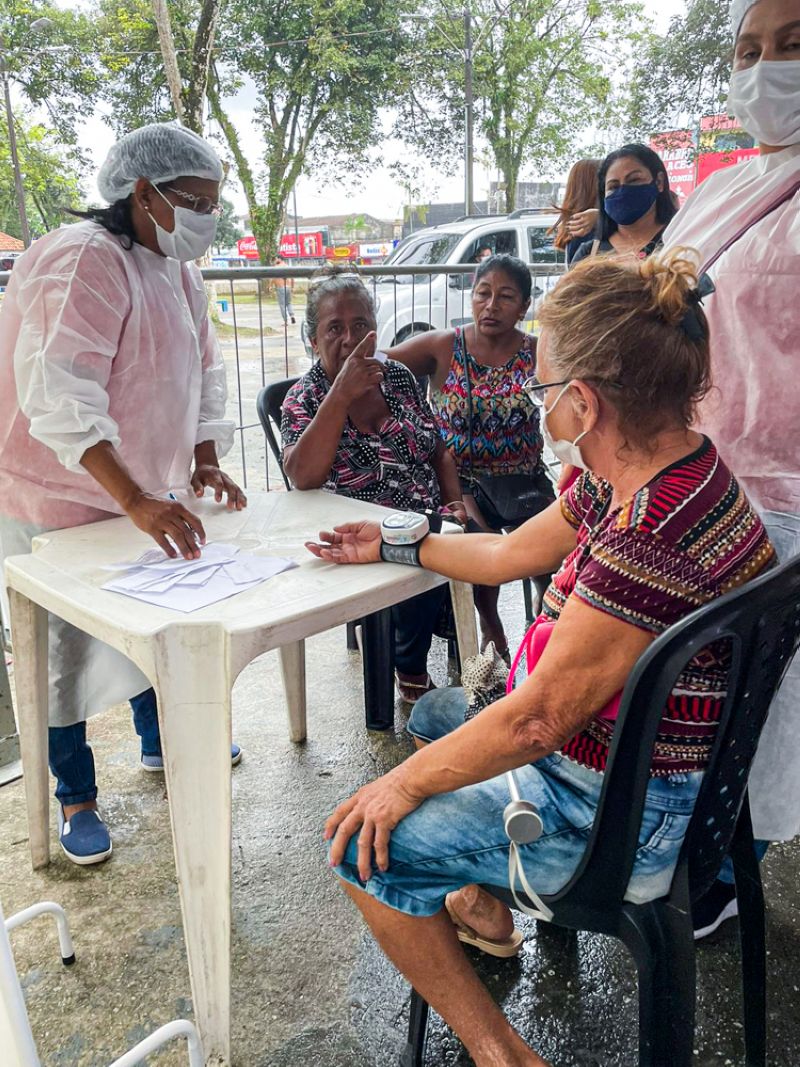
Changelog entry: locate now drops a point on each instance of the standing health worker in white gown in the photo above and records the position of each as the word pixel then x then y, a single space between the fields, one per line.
pixel 753 414
pixel 112 393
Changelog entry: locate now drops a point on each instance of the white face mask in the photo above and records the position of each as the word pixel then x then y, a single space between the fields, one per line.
pixel 191 237
pixel 566 451
pixel 765 99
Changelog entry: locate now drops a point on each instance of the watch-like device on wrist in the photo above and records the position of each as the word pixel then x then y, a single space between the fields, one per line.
pixel 402 535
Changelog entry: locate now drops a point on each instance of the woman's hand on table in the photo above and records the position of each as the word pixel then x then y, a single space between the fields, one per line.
pixel 354 542
pixel 374 811
pixel 360 372
pixel 168 523
pixel 206 475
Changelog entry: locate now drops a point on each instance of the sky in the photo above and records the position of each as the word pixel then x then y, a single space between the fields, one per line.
pixel 375 193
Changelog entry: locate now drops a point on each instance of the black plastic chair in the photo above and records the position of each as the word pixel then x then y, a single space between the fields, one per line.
pixel 762 620
pixel 377 632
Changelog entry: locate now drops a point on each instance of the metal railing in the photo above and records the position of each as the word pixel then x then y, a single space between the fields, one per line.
pixel 259 347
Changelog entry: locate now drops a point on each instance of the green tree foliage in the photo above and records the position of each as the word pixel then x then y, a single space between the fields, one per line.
pixel 135 85
pixel 53 67
pixel 542 75
pixel 318 72
pixel 228 229
pixel 51 178
pixel 685 73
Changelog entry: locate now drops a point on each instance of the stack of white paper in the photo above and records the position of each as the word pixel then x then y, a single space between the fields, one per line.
pixel 189 584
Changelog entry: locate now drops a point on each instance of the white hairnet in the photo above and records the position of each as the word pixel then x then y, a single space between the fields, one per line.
pixel 739 9
pixel 161 152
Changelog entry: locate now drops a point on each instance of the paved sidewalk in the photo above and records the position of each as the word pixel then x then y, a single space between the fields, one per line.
pixel 310 988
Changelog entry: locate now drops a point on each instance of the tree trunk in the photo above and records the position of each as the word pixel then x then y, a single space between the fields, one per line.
pixel 201 64
pixel 511 178
pixel 169 55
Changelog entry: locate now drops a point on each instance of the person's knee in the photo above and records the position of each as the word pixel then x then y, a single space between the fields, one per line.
pixel 437 713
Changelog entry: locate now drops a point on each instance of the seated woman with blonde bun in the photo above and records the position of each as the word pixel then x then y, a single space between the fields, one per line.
pixel 655 527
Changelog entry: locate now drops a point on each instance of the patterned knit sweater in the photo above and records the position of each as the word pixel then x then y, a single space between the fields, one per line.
pixel 686 537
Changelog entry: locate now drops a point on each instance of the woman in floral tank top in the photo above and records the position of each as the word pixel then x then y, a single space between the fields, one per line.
pixel 490 359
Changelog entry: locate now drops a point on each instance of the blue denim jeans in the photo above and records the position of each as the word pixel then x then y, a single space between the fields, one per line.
pixel 457 839
pixel 71 759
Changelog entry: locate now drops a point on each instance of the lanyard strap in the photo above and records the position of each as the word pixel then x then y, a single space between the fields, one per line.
pixel 462 340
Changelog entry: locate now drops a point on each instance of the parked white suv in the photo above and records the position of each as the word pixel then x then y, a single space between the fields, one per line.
pixel 412 304
pixel 409 304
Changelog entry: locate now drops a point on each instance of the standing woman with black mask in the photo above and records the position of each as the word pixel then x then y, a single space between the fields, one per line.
pixel 635 205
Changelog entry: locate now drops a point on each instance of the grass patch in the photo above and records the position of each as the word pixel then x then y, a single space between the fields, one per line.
pixel 226 332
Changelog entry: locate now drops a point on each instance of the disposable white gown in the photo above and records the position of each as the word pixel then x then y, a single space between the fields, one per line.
pixel 753 412
pixel 99 343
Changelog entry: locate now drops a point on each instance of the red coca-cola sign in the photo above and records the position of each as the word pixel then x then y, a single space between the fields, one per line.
pixel 247 247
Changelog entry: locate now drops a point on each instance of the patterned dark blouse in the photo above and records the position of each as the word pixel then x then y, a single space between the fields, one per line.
pixel 685 538
pixel 393 467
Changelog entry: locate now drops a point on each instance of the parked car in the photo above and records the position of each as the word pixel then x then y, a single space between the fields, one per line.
pixel 409 304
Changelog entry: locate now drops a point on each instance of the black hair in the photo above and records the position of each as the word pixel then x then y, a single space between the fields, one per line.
pixel 331 281
pixel 117 218
pixel 510 265
pixel 665 208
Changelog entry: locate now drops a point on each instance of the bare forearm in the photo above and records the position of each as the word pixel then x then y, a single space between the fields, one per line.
pixel 504 736
pixel 446 474
pixel 308 463
pixel 205 454
pixel 595 652
pixel 538 547
pixel 105 465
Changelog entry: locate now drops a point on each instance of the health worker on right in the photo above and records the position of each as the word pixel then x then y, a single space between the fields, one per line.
pixel 752 211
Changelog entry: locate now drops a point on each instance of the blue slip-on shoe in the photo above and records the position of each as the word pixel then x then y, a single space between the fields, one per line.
pixel 84 838
pixel 155 764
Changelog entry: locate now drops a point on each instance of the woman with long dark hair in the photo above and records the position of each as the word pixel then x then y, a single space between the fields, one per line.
pixel 634 201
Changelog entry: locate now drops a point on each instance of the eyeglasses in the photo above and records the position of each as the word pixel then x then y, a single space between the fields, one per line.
pixel 201 205
pixel 536 390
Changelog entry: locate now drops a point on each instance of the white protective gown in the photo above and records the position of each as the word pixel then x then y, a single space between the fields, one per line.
pixel 753 411
pixel 99 343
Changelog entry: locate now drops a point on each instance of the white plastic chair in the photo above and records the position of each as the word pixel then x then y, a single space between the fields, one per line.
pixel 16 1037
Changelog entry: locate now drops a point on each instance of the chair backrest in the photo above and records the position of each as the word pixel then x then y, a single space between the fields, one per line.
pixel 268 404
pixel 762 622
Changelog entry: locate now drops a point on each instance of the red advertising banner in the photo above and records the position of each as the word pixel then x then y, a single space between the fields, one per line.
pixel 708 162
pixel 714 123
pixel 247 247
pixel 312 246
pixel 676 149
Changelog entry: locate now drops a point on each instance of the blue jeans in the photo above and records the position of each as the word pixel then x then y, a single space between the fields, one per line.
pixel 457 839
pixel 71 759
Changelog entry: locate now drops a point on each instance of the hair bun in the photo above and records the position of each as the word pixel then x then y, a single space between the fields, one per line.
pixel 672 279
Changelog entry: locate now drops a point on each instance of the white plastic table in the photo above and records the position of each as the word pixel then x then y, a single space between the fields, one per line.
pixel 192 661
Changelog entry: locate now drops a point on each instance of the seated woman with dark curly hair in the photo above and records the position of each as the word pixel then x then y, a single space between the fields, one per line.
pixel 360 427
pixel 655 527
